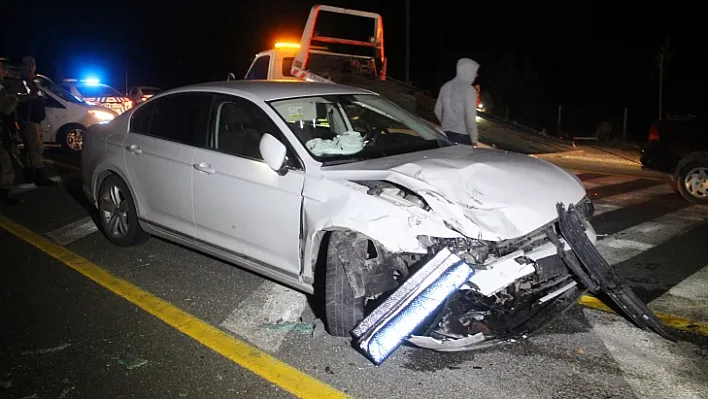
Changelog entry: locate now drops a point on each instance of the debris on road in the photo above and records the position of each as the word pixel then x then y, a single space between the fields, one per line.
pixel 131 362
pixel 48 350
pixel 65 392
pixel 299 327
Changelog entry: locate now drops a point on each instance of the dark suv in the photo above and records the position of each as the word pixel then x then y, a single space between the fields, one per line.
pixel 680 148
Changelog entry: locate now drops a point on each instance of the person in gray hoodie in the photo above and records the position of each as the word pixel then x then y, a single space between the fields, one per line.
pixel 456 106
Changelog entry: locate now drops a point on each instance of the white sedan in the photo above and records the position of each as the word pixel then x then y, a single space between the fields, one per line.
pixel 299 181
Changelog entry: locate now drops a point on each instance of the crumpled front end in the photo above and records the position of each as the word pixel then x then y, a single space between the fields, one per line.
pixel 471 294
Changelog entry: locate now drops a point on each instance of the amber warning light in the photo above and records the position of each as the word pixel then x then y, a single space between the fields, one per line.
pixel 287 45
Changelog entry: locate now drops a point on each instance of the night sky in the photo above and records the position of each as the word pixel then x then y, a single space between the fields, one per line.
pixel 589 54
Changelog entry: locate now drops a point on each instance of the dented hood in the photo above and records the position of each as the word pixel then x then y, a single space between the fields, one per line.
pixel 482 193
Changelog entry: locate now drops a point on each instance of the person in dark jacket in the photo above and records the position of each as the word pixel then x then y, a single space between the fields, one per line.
pixel 30 113
pixel 8 103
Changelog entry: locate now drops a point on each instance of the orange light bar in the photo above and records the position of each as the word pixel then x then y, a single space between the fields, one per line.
pixel 287 45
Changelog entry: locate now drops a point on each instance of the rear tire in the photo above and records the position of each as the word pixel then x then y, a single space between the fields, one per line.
pixel 692 182
pixel 342 310
pixel 118 219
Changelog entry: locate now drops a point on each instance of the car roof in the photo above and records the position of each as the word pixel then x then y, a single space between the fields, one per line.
pixel 85 84
pixel 269 90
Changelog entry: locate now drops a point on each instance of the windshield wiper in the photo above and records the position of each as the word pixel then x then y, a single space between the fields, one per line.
pixel 341 161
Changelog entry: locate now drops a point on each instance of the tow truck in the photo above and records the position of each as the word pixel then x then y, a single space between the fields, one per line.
pixel 313 59
pixel 363 63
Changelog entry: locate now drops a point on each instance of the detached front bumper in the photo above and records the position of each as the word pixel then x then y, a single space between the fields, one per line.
pixel 425 298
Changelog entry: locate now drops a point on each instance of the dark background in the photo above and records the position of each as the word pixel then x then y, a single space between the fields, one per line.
pixel 594 59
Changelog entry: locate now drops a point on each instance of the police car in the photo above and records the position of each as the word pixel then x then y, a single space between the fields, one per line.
pixel 93 92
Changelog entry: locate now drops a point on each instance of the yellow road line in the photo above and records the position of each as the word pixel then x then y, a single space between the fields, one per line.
pixel 676 322
pixel 247 356
pixel 63 165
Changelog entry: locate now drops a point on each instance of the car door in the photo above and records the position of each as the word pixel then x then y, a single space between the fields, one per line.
pixel 240 204
pixel 55 117
pixel 158 157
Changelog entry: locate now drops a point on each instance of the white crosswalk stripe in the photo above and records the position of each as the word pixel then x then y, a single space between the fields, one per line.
pixel 632 241
pixel 73 231
pixel 635 197
pixel 607 181
pixel 688 299
pixel 652 366
pixel 257 317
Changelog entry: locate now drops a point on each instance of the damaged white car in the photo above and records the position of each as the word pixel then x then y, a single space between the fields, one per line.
pixel 413 238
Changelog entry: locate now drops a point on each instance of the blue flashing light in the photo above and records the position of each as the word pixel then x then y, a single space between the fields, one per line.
pixel 91 81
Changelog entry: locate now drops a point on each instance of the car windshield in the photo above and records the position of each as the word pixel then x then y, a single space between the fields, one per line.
pixel 91 91
pixel 58 90
pixel 348 128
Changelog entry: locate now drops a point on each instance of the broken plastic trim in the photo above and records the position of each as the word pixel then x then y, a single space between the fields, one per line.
pixel 379 334
pixel 597 273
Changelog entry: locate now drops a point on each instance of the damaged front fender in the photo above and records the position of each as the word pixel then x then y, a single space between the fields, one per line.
pixel 370 268
pixel 343 205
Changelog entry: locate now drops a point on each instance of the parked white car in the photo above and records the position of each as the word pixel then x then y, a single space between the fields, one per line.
pixel 68 117
pixel 462 247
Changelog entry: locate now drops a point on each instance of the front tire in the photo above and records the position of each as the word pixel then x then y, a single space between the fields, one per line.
pixel 693 182
pixel 342 310
pixel 118 218
pixel 71 137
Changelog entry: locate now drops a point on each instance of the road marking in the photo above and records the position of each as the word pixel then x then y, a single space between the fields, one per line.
pixel 240 352
pixel 636 197
pixel 268 304
pixel 688 299
pixel 673 321
pixel 653 367
pixel 695 287
pixel 25 187
pixel 620 243
pixel 644 174
pixel 609 180
pixel 647 235
pixel 601 208
pixel 65 235
pixel 63 165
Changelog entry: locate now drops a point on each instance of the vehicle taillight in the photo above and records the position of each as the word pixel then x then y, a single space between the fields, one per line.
pixel 654 134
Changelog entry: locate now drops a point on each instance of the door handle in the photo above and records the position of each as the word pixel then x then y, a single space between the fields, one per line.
pixel 204 167
pixel 134 149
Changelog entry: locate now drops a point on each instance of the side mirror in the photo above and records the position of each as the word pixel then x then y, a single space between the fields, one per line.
pixel 273 153
pixel 231 76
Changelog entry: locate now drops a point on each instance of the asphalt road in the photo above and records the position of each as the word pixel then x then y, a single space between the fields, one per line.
pixel 63 335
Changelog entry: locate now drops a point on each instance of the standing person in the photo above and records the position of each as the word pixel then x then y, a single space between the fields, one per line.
pixel 456 106
pixel 8 102
pixel 30 113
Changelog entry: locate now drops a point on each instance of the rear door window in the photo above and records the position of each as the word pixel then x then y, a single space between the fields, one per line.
pixel 180 118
